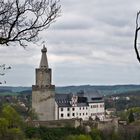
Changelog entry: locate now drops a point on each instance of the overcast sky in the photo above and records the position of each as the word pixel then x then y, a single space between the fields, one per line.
pixel 91 43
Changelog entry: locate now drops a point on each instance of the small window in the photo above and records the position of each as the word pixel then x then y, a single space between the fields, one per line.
pixel 80 114
pixel 86 108
pixel 68 114
pixel 83 108
pixel 62 115
pixel 73 114
pixel 73 108
pixel 86 113
pixel 61 109
pixel 83 114
pixel 95 106
pixel 80 108
pixel 68 109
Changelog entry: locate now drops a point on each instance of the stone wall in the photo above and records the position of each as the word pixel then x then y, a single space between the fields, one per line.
pixel 56 123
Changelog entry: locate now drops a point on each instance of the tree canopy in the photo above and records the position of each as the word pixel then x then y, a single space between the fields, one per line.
pixel 10 124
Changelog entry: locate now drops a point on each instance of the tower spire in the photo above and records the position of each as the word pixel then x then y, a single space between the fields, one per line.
pixel 44 61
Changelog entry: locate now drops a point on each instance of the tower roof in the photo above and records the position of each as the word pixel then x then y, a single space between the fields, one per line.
pixel 44 61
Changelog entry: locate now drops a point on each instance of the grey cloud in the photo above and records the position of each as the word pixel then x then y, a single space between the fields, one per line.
pixel 99 74
pixel 72 22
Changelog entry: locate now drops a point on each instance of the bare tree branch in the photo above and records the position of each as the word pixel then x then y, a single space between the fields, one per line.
pixel 21 21
pixel 3 70
pixel 136 37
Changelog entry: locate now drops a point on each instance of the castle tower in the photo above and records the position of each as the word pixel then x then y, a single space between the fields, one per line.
pixel 43 92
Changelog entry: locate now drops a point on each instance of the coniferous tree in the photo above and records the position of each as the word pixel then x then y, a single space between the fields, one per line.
pixel 131 117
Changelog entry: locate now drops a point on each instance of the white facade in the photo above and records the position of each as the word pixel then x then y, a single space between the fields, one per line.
pixel 97 110
pixel 84 111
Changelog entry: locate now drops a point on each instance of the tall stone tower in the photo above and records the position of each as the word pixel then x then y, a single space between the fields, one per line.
pixel 43 92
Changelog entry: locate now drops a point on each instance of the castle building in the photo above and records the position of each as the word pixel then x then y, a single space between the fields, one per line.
pixel 82 105
pixel 56 106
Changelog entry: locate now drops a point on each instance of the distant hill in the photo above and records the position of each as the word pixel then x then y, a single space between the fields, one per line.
pixel 5 90
pixel 14 89
pixel 104 90
pixel 128 93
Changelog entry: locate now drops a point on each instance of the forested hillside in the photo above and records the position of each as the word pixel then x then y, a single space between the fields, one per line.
pixel 103 90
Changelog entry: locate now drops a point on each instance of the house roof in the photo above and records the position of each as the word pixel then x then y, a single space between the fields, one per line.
pixel 64 100
pixel 92 96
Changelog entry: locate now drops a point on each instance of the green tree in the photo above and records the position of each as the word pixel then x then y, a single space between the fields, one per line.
pixel 70 137
pixel 15 134
pixel 13 118
pixel 79 137
pixel 123 115
pixel 98 137
pixel 3 127
pixel 96 134
pixel 131 117
pixel 10 124
pixel 83 137
pixel 115 136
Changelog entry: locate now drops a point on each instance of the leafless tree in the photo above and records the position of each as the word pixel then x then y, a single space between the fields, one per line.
pixel 136 36
pixel 3 70
pixel 22 20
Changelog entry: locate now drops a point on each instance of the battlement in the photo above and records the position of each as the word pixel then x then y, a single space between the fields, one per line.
pixel 47 87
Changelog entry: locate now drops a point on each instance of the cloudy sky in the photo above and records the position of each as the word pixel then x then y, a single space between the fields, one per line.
pixel 91 43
